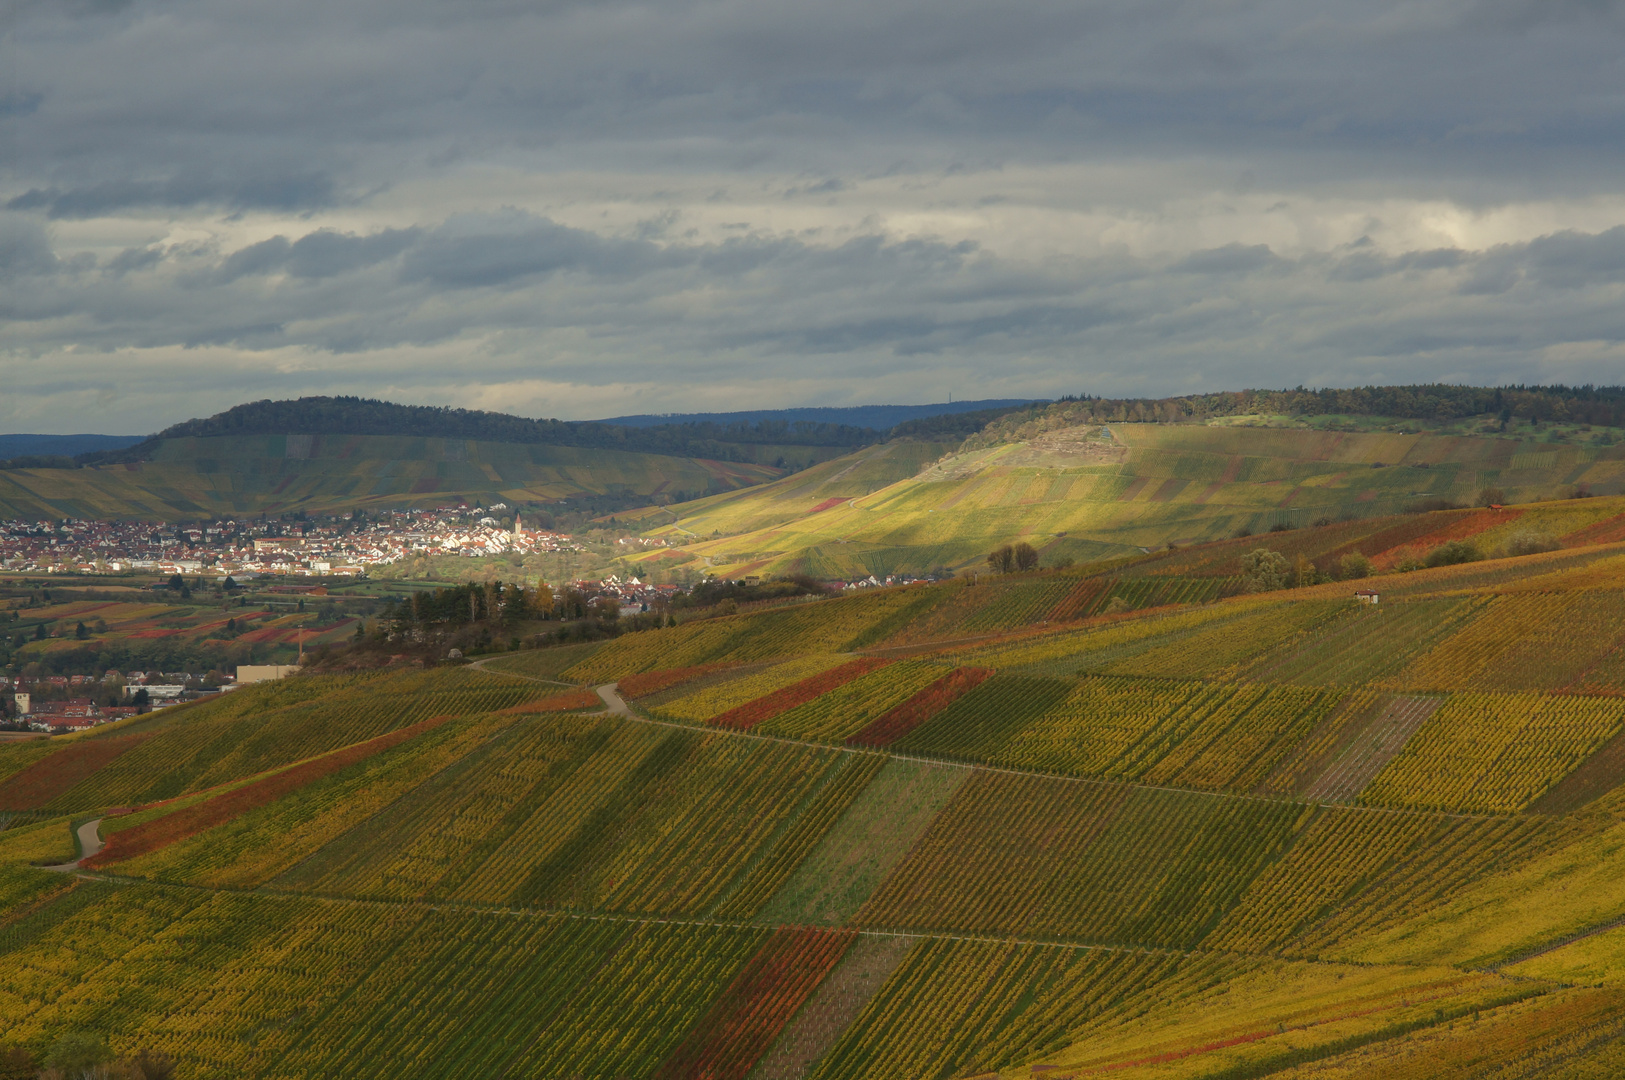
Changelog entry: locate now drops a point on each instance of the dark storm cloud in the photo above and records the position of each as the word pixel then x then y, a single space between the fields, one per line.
pixel 1574 260
pixel 171 104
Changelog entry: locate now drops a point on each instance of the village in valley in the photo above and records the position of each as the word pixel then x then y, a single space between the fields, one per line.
pixel 347 545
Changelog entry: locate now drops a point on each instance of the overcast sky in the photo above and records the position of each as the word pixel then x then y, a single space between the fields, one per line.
pixel 586 209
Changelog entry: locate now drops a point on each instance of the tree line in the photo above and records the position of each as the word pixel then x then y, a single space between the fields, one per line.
pixel 366 416
pixel 1599 405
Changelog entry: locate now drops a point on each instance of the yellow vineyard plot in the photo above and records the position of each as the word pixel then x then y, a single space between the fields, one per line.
pixel 1495 753
pixel 1537 640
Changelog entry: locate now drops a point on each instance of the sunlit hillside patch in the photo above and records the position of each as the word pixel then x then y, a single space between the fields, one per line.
pixel 221 476
pixel 1141 487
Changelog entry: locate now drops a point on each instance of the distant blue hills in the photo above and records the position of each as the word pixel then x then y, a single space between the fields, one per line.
pixel 875 417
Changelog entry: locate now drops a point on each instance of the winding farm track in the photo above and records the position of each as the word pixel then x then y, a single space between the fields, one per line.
pixel 90 843
pixel 479 665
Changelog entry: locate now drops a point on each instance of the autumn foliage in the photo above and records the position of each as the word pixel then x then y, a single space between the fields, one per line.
pixel 768 706
pixel 921 707
pixel 49 777
pixel 652 682
pixel 749 1015
pixel 1611 531
pixel 199 817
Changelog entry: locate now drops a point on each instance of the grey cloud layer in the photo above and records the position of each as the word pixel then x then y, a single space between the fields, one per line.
pixel 183 119
pixel 167 103
pixel 727 309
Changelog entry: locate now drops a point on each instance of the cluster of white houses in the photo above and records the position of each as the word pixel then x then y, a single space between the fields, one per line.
pixel 342 546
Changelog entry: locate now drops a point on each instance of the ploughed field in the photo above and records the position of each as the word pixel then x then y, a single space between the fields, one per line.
pixel 949 831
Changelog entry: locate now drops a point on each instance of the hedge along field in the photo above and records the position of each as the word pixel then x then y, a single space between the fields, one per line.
pixel 1495 753
pixel 1091 863
pixel 254 730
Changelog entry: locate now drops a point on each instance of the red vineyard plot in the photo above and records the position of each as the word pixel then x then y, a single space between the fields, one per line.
pixel 746 716
pixel 1603 532
pixel 921 707
pixel 51 776
pixel 744 1021
pixel 152 835
pixel 652 682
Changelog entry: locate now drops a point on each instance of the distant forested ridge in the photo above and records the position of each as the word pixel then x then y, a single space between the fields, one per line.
pixel 874 417
pixel 1600 405
pixel 364 416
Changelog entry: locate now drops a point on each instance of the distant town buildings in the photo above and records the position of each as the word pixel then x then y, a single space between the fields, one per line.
pixel 247 549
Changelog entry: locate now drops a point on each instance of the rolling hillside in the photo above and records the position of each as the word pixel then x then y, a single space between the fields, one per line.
pixel 321 454
pixel 1090 492
pixel 193 478
pixel 1011 828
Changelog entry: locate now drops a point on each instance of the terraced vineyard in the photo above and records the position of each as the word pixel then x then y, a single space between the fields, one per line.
pixel 1006 828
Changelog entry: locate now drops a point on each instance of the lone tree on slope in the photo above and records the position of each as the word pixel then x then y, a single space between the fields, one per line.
pixel 1265 570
